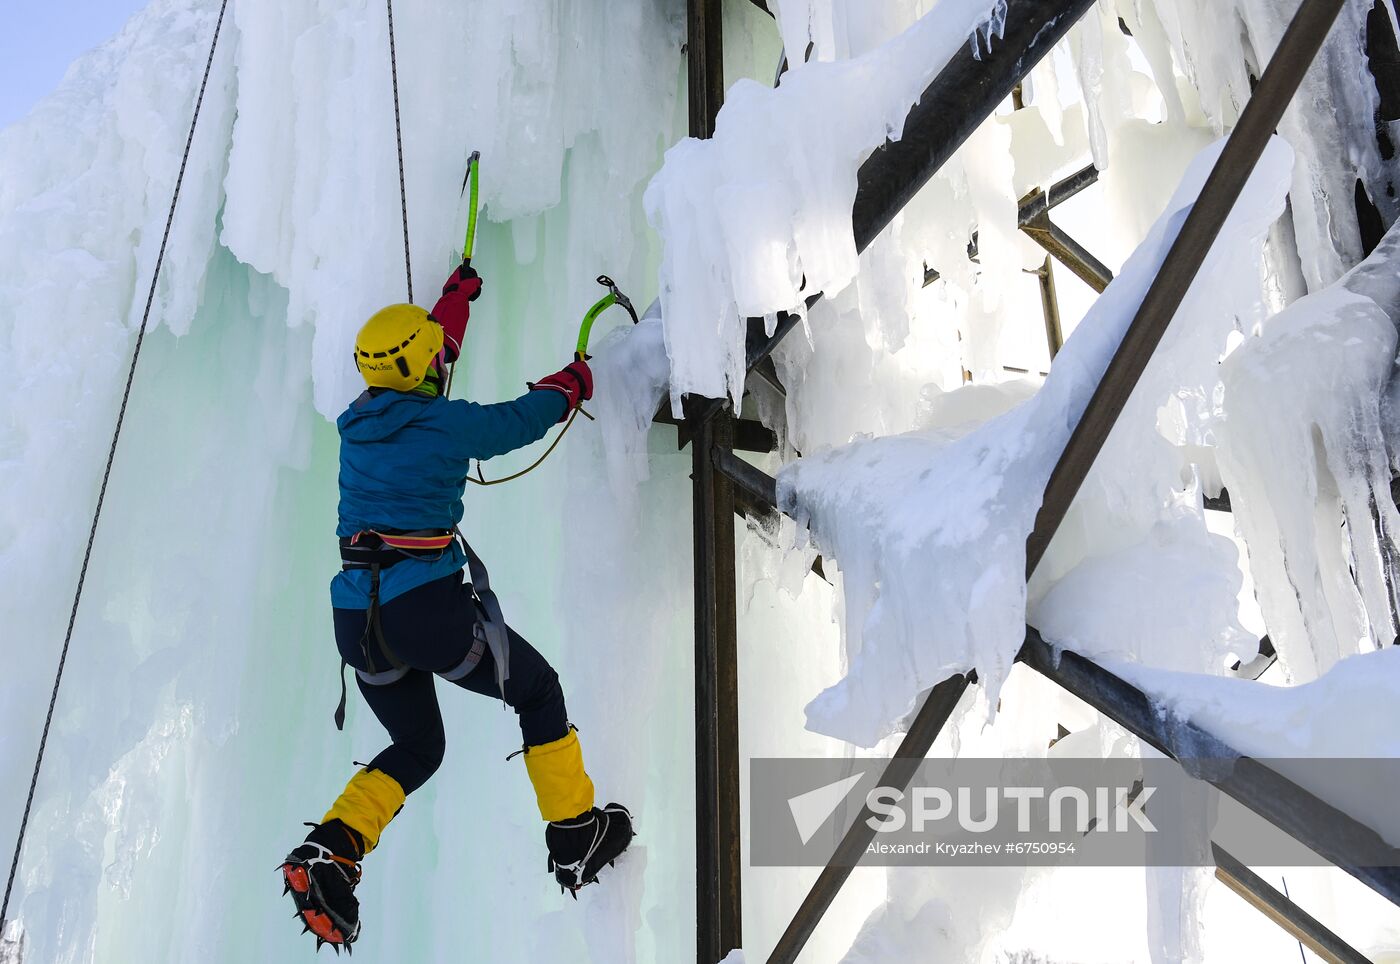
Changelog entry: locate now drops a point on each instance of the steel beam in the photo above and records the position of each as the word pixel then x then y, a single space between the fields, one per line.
pixel 749 435
pixel 1038 203
pixel 1332 834
pixel 1050 307
pixel 1305 928
pixel 1069 252
pixel 932 715
pixel 1220 503
pixel 758 485
pixel 704 64
pixel 717 815
pixel 719 915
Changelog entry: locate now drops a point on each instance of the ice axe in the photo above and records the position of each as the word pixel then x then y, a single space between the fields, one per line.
pixel 613 297
pixel 471 179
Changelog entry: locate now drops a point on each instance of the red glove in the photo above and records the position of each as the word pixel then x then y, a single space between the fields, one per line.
pixel 453 309
pixel 574 381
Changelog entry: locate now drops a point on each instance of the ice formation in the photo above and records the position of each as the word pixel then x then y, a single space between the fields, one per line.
pixel 930 533
pixel 1308 391
pixel 193 735
pixel 759 216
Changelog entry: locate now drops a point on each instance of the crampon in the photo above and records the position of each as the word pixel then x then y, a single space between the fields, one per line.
pixel 581 847
pixel 322 885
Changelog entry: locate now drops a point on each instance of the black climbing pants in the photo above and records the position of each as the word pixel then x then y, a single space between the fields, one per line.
pixel 430 629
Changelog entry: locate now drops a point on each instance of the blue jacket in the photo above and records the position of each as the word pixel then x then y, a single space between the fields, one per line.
pixel 404 459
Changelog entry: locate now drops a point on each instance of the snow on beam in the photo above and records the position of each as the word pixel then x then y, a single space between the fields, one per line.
pixel 957 102
pixel 1331 833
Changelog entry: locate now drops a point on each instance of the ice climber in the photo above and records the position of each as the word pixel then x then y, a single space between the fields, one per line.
pixel 404 612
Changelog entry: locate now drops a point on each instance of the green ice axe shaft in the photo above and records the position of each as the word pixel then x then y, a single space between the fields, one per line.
pixel 472 179
pixel 613 297
pixel 586 329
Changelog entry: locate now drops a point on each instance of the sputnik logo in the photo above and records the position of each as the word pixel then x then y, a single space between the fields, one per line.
pixel 811 809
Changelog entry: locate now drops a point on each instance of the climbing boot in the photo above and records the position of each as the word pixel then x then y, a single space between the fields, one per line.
pixel 322 873
pixel 580 846
pixel 321 876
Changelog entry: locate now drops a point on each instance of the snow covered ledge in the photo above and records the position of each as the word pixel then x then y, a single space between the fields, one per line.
pixel 757 218
pixel 930 533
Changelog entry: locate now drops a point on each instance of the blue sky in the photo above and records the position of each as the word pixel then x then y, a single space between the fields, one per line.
pixel 40 38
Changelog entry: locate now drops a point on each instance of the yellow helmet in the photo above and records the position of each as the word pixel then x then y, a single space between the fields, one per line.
pixel 396 346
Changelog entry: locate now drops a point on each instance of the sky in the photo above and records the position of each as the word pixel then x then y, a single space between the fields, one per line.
pixel 40 38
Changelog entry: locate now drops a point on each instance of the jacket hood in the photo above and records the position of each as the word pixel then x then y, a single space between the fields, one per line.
pixel 371 418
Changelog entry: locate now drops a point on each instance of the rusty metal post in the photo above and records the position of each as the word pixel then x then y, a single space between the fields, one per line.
pixel 718 919
pixel 1069 252
pixel 1050 305
pixel 1304 927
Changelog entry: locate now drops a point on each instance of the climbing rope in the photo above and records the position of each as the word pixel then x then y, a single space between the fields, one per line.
pixel 613 297
pixel 481 478
pixel 398 137
pixel 107 474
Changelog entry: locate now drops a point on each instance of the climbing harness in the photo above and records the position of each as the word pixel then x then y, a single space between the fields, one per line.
pixel 376 550
pixel 107 471
pixel 585 331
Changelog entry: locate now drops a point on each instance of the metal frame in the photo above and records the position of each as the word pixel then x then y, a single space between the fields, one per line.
pixel 718 858
pixel 1260 895
pixel 960 99
pixel 1295 53
pixel 1034 219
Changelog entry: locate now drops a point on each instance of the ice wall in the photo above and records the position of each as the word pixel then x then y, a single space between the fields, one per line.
pixel 193 733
